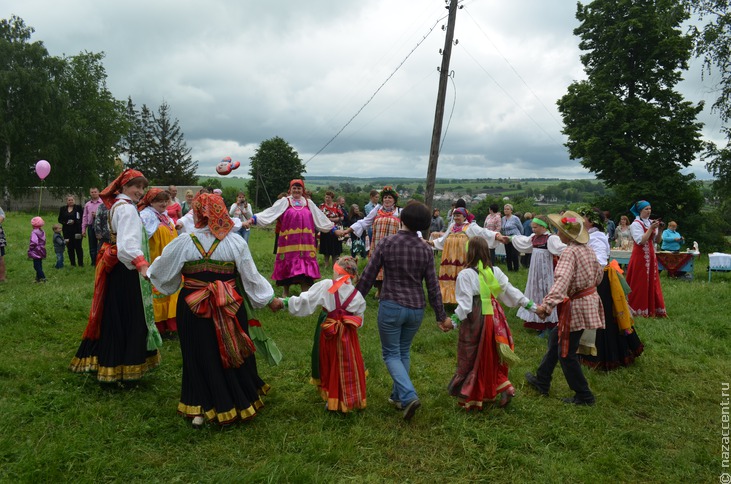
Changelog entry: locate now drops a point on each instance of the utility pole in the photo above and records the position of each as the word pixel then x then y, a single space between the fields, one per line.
pixel 431 173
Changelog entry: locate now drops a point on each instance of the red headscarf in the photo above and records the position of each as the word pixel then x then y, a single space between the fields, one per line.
pixel 146 201
pixel 210 210
pixel 109 194
pixel 298 182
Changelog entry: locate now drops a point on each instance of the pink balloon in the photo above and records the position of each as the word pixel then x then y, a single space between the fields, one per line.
pixel 43 168
pixel 235 165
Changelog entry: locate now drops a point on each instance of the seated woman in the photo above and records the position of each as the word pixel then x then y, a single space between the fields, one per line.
pixel 220 379
pixel 671 239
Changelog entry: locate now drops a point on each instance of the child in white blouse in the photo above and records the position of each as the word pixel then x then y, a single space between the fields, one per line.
pixel 337 362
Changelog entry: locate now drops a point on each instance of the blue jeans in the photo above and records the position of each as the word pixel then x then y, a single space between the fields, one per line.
pixel 38 266
pixel 59 260
pixel 244 234
pixel 397 326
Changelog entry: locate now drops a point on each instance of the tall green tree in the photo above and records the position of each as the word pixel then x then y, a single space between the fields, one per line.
pixel 273 165
pixel 713 44
pixel 88 124
pixel 170 161
pixel 155 145
pixel 626 122
pixel 25 94
pixel 56 108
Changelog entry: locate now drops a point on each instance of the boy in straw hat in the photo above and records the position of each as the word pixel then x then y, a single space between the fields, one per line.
pixel 574 292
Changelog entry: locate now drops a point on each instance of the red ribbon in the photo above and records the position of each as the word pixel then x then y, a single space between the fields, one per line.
pixel 219 301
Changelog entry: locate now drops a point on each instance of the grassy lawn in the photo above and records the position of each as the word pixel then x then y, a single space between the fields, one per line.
pixel 657 421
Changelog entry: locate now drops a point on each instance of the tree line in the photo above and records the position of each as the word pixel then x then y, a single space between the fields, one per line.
pixel 60 109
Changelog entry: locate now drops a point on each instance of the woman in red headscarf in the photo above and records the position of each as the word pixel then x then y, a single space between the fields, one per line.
pixel 120 342
pixel 220 379
pixel 296 261
pixel 160 230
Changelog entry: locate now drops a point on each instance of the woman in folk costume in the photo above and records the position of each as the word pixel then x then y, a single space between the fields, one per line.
pixel 545 248
pixel 617 344
pixel 485 347
pixel 341 370
pixel 646 298
pixel 296 260
pixel 121 340
pixel 384 219
pixel 220 378
pixel 452 244
pixel 160 230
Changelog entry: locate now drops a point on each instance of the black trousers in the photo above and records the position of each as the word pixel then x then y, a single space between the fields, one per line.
pixel 570 365
pixel 93 243
pixel 512 257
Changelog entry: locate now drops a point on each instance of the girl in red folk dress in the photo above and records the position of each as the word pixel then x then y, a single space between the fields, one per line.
pixel 341 369
pixel 646 298
pixel 485 347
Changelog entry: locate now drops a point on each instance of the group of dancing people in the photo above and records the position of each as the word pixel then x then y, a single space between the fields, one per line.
pixel 208 283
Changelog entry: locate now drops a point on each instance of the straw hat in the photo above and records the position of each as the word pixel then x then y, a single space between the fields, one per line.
pixel 571 224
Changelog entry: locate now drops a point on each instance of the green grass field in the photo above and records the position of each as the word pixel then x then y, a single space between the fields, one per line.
pixel 657 421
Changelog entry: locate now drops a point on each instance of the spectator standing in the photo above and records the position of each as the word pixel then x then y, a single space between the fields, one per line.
pixel 59 245
pixel 37 247
pixel 511 225
pixel 437 222
pixel 493 222
pixel 527 231
pixel 71 216
pixel 87 224
pixel 3 243
pixel 611 226
pixel 366 210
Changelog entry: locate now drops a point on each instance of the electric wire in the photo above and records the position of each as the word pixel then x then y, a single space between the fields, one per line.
pixel 418 44
pixel 515 71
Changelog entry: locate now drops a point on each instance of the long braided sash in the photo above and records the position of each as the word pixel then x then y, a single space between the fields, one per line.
pixel 564 319
pixel 219 301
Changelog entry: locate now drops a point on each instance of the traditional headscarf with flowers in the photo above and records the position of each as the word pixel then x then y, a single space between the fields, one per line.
pixel 593 215
pixel 388 190
pixel 210 210
pixel 109 194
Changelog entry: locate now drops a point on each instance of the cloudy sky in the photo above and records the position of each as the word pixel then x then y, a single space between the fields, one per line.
pixel 236 73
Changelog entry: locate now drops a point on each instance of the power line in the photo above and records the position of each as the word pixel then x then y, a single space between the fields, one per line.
pixel 513 69
pixel 377 90
pixel 510 97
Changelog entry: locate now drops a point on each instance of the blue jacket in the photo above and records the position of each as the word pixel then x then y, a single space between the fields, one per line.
pixel 669 241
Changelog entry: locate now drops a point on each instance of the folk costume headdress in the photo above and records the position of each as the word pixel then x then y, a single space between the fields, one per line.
pixel 109 194
pixel 388 190
pixel 210 210
pixel 347 268
pixel 570 224
pixel 593 215
pixel 149 197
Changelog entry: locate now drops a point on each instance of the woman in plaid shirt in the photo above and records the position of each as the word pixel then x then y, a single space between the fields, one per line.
pixel 577 274
pixel 406 261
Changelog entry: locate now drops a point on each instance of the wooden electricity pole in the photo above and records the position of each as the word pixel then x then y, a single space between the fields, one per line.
pixel 431 174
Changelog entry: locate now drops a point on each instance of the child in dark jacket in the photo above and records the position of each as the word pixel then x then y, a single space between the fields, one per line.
pixel 59 244
pixel 37 247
